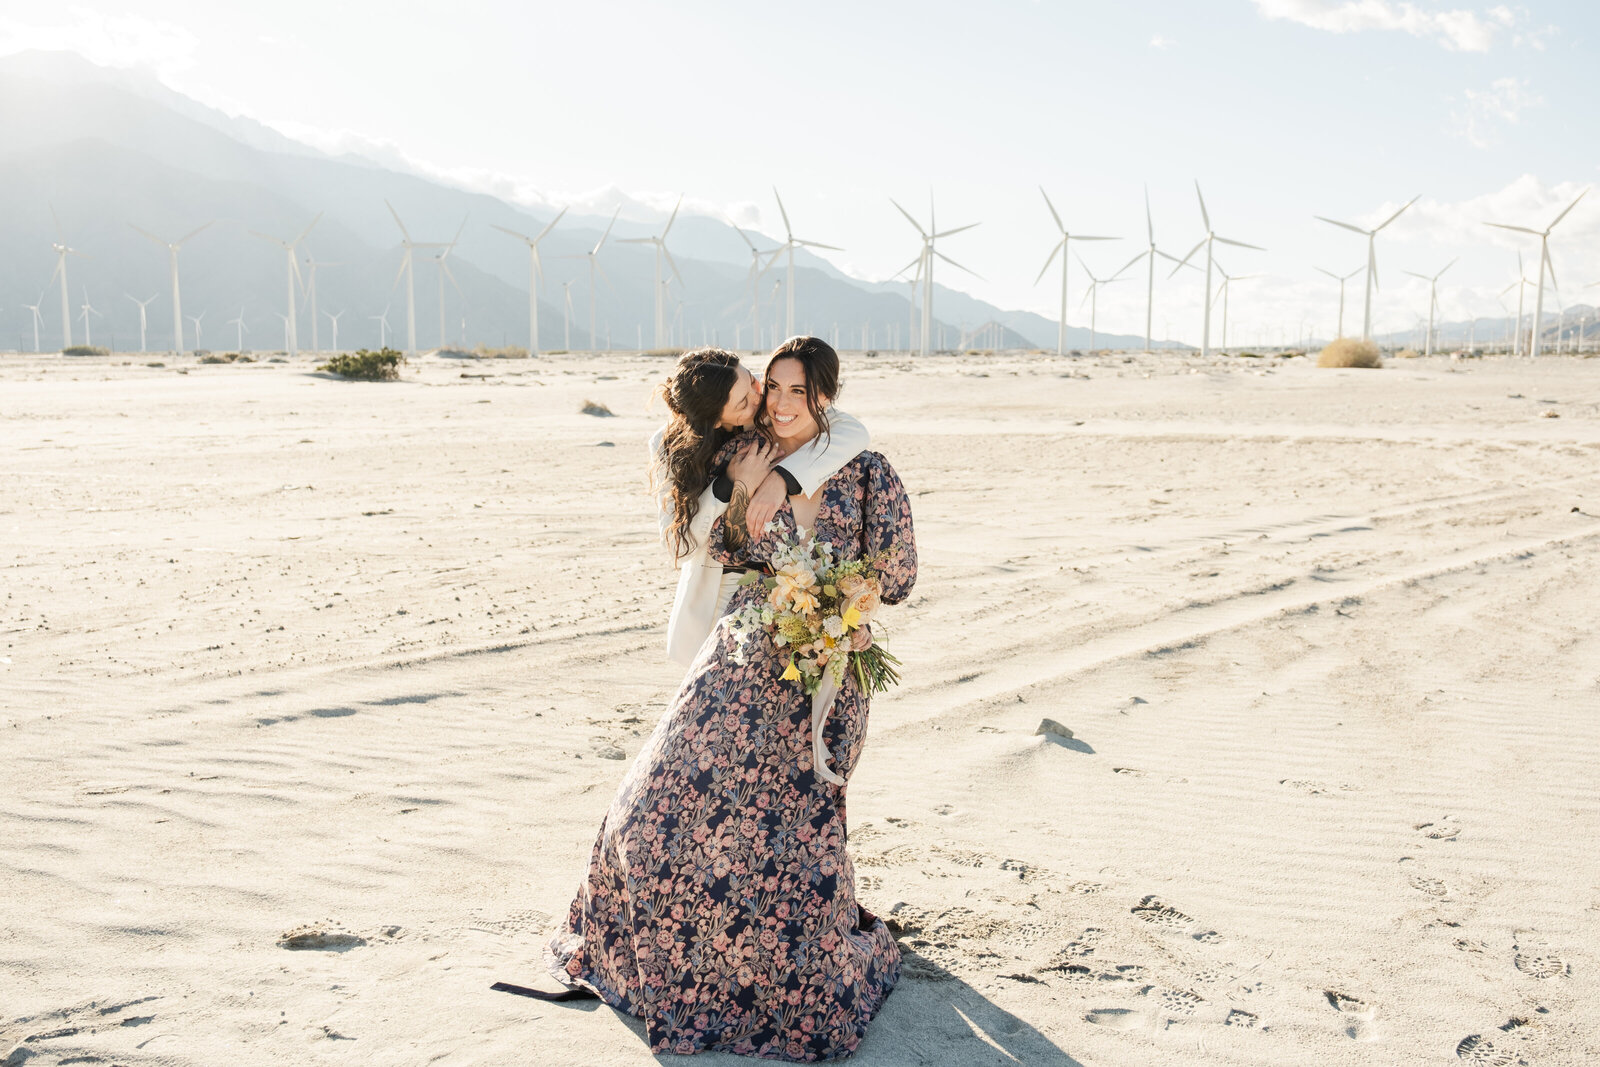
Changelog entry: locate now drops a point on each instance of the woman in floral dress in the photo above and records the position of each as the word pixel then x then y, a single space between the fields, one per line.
pixel 720 900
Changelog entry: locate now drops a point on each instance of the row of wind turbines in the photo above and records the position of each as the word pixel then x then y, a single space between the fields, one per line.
pixel 918 273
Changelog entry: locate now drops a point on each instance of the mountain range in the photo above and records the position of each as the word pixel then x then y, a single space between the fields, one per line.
pixel 89 153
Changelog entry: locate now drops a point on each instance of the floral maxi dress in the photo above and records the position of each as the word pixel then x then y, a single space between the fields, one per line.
pixel 720 901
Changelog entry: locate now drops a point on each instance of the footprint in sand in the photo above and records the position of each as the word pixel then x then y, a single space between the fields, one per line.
pixel 1358 1013
pixel 1246 1019
pixel 1166 917
pixel 1176 1001
pixel 319 937
pixel 1536 959
pixel 1117 1018
pixel 1499 1049
pixel 1423 883
pixel 1443 830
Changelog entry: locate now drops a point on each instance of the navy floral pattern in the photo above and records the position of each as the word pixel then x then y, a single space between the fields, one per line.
pixel 720 902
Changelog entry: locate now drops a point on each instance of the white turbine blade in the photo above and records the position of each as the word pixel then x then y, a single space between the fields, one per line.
pixel 268 237
pixel 1414 274
pixel 1088 292
pixel 180 241
pixel 1346 225
pixel 953 263
pixel 788 231
pixel 1053 214
pixel 1447 266
pixel 1184 262
pixel 401 273
pixel 514 233
pixel 915 263
pixel 603 236
pixel 1149 223
pixel 1206 218
pixel 671 218
pixel 403 231
pixel 1238 244
pixel 549 226
pixel 1519 229
pixel 1550 265
pixel 1061 244
pixel 1397 214
pixel 1563 215
pixel 307 231
pixel 958 229
pixel 448 273
pixel 673 264
pixel 150 235
pixel 1075 237
pixel 747 240
pixel 1329 273
pixel 459 231
pixel 909 219
pixel 1132 261
pixel 1352 274
pixel 636 240
pixel 819 244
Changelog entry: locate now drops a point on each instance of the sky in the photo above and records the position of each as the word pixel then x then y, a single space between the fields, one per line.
pixel 1280 109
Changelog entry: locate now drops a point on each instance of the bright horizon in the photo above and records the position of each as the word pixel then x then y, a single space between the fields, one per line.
pixel 1281 109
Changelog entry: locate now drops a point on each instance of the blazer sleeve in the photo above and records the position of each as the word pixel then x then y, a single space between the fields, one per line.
pixel 888 533
pixel 821 459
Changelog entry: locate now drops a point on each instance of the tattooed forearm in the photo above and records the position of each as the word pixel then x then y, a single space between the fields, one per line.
pixel 738 504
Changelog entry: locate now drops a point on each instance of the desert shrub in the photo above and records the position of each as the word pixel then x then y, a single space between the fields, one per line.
pixel 1350 352
pixel 1408 353
pixel 668 353
pixel 85 350
pixel 508 352
pixel 591 408
pixel 218 357
pixel 364 365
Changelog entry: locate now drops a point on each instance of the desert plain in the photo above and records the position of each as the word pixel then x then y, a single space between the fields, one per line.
pixel 313 694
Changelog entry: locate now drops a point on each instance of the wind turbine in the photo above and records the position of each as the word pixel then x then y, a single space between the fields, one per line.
pixel 789 245
pixel 1544 262
pixel 1341 280
pixel 196 320
pixel 142 305
pixel 660 243
pixel 924 263
pixel 1433 301
pixel 238 321
pixel 38 320
pixel 405 271
pixel 444 269
pixel 311 294
pixel 1092 297
pixel 1372 258
pixel 593 256
pixel 335 320
pixel 62 252
pixel 566 317
pixel 754 279
pixel 172 255
pixel 1210 240
pixel 535 275
pixel 383 327
pixel 288 325
pixel 86 311
pixel 1150 271
pixel 1062 247
pixel 291 277
pixel 1222 291
pixel 1520 285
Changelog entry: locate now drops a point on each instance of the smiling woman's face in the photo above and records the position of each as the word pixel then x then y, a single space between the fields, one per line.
pixel 743 398
pixel 792 420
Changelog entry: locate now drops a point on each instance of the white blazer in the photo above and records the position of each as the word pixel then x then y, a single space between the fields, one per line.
pixel 695 608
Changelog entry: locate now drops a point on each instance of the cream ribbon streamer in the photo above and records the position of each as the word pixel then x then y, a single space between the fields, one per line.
pixel 821 704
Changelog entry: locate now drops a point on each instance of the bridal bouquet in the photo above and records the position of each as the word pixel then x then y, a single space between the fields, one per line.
pixel 813 604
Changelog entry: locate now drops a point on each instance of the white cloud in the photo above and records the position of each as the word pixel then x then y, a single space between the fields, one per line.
pixel 1478 118
pixel 1459 30
pixel 1160 42
pixel 110 40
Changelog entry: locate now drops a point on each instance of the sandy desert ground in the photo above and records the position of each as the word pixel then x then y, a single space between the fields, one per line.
pixel 363 662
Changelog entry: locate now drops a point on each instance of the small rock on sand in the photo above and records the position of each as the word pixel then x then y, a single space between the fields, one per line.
pixel 1051 727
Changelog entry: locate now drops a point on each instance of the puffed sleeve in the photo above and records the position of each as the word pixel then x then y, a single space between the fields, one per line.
pixel 888 534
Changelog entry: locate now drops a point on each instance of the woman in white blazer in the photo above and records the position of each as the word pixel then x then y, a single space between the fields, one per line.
pixel 710 397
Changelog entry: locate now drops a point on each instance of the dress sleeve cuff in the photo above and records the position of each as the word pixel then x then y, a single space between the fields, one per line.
pixel 789 482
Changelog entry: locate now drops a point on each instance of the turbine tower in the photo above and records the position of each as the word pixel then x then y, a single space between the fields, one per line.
pixel 1150 271
pixel 1544 262
pixel 753 279
pixel 593 256
pixel 1063 246
pixel 177 302
pixel 291 278
pixel 535 275
pixel 1092 297
pixel 444 269
pixel 86 311
pixel 660 243
pixel 566 316
pixel 38 320
pixel 1372 258
pixel 383 327
pixel 196 319
pixel 406 271
pixel 1521 286
pixel 311 295
pixel 790 243
pixel 924 264
pixel 335 320
pixel 1208 242
pixel 62 252
pixel 142 323
pixel 1433 301
pixel 1341 279
pixel 1222 292
pixel 238 321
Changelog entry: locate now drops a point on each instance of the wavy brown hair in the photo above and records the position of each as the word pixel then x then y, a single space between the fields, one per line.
pixel 695 393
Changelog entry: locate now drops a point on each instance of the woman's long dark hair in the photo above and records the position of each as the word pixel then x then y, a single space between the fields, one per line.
pixel 819 364
pixel 695 392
